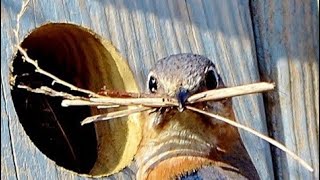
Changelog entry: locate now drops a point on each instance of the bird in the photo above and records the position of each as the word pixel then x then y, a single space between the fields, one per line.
pixel 178 143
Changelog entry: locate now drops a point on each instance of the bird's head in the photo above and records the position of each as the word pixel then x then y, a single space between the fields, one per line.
pixel 183 75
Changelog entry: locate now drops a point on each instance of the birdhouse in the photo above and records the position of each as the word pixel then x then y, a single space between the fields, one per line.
pixel 113 45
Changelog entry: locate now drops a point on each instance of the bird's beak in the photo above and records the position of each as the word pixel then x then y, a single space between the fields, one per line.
pixel 182 96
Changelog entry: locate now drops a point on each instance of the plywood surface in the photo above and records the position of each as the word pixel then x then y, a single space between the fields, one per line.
pixel 145 31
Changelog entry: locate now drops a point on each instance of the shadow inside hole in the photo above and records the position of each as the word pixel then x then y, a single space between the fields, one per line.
pixel 56 130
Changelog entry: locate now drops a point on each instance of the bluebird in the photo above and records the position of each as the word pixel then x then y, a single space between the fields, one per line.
pixel 178 143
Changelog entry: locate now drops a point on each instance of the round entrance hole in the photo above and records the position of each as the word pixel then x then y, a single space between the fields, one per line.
pixel 70 53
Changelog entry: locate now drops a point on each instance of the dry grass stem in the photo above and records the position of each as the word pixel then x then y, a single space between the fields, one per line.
pixel 112 115
pixel 266 138
pixel 153 102
pixel 51 92
pixel 78 102
pixel 109 106
pixel 231 92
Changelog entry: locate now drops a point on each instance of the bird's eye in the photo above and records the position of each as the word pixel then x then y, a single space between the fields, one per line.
pixel 211 80
pixel 153 84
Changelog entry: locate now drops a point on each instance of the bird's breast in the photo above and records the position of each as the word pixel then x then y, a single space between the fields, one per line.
pixel 182 142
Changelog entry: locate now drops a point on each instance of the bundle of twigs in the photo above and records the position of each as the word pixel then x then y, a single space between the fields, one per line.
pixel 143 102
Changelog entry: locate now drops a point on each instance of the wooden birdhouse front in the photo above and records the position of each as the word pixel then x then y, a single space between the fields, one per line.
pixel 113 44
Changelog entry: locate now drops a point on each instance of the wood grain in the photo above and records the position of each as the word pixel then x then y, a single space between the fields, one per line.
pixel 144 31
pixel 287 40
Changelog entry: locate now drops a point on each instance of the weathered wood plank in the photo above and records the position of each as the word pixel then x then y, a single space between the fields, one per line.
pixel 143 31
pixel 8 169
pixel 287 34
pixel 25 154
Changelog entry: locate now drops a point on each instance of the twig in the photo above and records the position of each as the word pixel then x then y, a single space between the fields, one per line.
pixel 112 115
pixel 79 102
pixel 107 106
pixel 163 102
pixel 153 102
pixel 147 99
pixel 266 138
pixel 51 92
pixel 231 92
pixel 55 78
pixel 149 102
